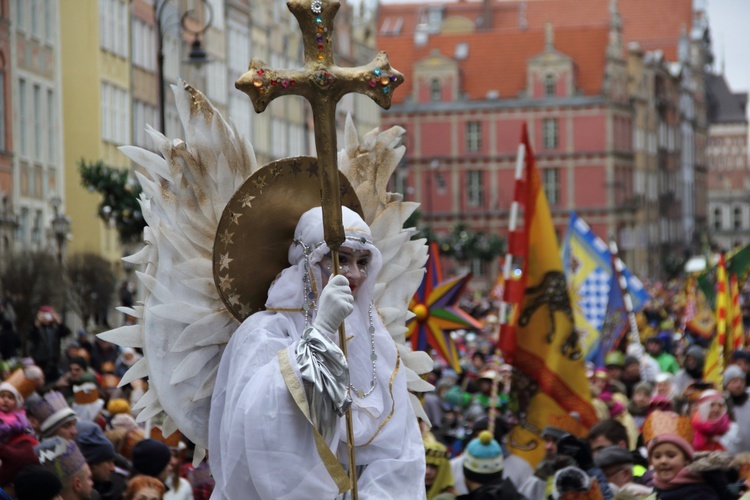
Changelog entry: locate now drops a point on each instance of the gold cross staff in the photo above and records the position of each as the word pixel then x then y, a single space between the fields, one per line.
pixel 323 84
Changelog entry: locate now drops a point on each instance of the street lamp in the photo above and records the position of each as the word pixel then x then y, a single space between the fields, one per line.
pixel 197 54
pixel 60 227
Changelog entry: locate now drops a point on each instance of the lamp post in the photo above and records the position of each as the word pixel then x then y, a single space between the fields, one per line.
pixel 197 54
pixel 60 228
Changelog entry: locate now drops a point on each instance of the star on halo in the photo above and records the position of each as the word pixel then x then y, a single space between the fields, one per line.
pixel 247 200
pixel 226 237
pixel 234 299
pixel 235 217
pixel 225 260
pixel 225 282
pixel 244 310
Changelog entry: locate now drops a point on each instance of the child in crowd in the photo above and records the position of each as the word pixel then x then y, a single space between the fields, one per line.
pixel 13 421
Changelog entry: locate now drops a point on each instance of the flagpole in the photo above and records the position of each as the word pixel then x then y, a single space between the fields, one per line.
pixel 617 268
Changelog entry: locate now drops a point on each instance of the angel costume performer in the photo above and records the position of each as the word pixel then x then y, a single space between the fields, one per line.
pixel 261 444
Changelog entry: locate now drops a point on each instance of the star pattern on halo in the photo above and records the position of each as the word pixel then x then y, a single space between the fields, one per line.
pixel 226 237
pixel 247 200
pixel 225 261
pixel 235 216
pixel 259 183
pixel 234 299
pixel 244 310
pixel 225 282
pixel 436 310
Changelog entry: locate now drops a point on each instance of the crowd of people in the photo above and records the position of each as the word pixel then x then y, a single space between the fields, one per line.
pixel 68 431
pixel 663 432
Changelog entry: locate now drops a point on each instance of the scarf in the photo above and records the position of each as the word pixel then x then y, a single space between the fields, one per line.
pixel 684 477
pixel 705 431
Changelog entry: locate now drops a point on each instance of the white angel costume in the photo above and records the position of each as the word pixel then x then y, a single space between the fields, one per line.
pixel 261 444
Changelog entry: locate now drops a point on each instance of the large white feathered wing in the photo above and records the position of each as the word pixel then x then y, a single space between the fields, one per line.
pixel 183 324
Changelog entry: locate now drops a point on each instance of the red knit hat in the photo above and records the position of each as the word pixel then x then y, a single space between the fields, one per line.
pixel 674 439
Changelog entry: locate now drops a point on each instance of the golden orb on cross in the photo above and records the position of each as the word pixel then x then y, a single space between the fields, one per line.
pixel 422 312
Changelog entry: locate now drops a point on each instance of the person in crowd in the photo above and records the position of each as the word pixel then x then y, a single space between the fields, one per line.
pixel 52 416
pixel 145 488
pixel 63 458
pixel 34 482
pixel 438 479
pixel 14 457
pixel 614 363
pixel 127 358
pixel 483 471
pixel 656 349
pixel 178 488
pixel 100 456
pixel 692 369
pixel 609 433
pixel 78 374
pixel 639 405
pixel 572 482
pixel 711 422
pixel 10 341
pixel 102 352
pixel 46 336
pixel 741 358
pixel 13 421
pixel 151 458
pixel 737 395
pixel 675 479
pixel 617 464
pixel 631 374
pixel 545 468
pixel 665 387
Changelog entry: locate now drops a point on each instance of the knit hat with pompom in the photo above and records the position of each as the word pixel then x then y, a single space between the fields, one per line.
pixel 483 459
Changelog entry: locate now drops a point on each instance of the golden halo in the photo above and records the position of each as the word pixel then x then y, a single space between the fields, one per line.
pixel 257 227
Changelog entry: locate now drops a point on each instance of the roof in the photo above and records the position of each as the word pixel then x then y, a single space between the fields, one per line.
pixel 724 106
pixel 496 61
pixel 654 24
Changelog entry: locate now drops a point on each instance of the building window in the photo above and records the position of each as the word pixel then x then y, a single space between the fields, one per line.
pixel 551 183
pixel 435 91
pixel 549 130
pixel 475 189
pixel 20 17
pixel 717 219
pixel 2 109
pixel 473 136
pixel 550 86
pixel 737 218
pixel 48 21
pixel 37 103
pixel 23 113
pixel 51 127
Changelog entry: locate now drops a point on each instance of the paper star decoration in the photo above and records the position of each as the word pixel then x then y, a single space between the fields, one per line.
pixel 436 311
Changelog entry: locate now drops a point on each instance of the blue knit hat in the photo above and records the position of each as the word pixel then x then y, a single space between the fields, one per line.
pixel 483 459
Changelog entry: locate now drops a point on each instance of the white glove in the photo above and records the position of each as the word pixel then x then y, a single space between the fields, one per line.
pixel 336 303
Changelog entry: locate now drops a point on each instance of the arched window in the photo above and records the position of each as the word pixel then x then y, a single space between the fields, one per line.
pixel 550 86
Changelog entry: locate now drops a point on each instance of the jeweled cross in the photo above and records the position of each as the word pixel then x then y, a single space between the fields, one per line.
pixel 323 84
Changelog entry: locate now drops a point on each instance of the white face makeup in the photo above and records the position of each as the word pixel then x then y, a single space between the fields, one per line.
pixel 354 265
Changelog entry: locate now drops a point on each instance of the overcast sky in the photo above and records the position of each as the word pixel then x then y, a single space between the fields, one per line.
pixel 730 35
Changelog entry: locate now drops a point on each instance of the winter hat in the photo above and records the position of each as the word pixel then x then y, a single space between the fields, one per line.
pixel 94 445
pixel 614 358
pixel 35 482
pixel 732 372
pixel 705 401
pixel 554 432
pixel 569 480
pixel 674 439
pixel 483 459
pixel 644 387
pixel 123 421
pixel 118 405
pixel 150 457
pixel 612 455
pixel 5 386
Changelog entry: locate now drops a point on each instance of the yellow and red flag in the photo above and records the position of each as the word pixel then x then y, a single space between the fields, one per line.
pixel 540 339
pixel 714 368
pixel 736 335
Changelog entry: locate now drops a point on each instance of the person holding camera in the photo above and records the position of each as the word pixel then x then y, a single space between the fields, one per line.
pixel 46 335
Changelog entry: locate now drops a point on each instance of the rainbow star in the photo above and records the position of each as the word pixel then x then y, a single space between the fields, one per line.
pixel 436 312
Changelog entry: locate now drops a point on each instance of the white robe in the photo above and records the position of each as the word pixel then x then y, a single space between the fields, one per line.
pixel 261 446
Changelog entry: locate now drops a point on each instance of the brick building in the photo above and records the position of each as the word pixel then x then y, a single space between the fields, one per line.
pixel 607 142
pixel 729 182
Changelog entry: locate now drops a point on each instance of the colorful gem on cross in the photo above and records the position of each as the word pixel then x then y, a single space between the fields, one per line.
pixel 436 312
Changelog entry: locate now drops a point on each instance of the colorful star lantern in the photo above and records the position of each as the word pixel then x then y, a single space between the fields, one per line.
pixel 436 312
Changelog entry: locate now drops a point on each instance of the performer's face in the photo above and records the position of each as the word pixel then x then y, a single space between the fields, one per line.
pixel 354 265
